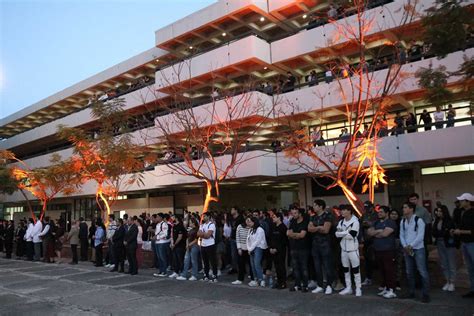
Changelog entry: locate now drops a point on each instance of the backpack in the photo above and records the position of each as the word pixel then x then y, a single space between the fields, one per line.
pixel 416 223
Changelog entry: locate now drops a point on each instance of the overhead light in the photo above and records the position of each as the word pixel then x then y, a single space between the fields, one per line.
pixel 305 16
pixel 157 60
pixel 190 47
pixel 265 68
pixel 224 34
pixel 262 19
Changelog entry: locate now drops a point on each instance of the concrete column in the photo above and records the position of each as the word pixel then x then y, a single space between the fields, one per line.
pixel 302 192
pixel 417 181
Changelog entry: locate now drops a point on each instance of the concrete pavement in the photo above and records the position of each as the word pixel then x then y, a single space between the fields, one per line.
pixel 35 288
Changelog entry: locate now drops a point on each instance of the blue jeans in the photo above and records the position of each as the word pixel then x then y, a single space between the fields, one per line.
pixel 447 260
pixel 417 262
pixel 162 252
pixel 191 258
pixel 256 263
pixel 468 252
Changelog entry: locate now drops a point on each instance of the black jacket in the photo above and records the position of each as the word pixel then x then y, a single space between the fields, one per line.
pixel 446 226
pixel 131 236
pixel 278 238
pixel 119 237
pixel 9 234
pixel 83 231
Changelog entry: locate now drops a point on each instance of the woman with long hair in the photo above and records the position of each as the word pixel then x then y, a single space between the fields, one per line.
pixel 256 244
pixel 446 245
pixel 99 238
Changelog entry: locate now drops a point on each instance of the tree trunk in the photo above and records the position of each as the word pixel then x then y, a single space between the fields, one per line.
pixel 352 198
pixel 100 197
pixel 33 216
pixel 43 210
pixel 209 198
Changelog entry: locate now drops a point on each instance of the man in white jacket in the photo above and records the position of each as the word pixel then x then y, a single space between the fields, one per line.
pixel 37 228
pixel 348 230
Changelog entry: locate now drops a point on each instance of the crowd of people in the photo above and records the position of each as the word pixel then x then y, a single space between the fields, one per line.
pixel 318 248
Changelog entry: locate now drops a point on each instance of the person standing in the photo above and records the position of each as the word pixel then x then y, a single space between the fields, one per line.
pixel 256 245
pixel 465 231
pixel 99 239
pixel 20 240
pixel 348 230
pixel 162 243
pixel 192 252
pixel 29 240
pixel 446 245
pixel 47 237
pixel 278 243
pixel 438 118
pixel 450 116
pixel 383 233
pixel 37 228
pixel 244 258
pixel 178 245
pixel 235 220
pixel 412 232
pixel 9 237
pixel 119 248
pixel 299 250
pixel 2 232
pixel 83 237
pixel 368 219
pixel 207 237
pixel 320 227
pixel 140 240
pixel 111 228
pixel 427 120
pixel 130 242
pixel 92 230
pixel 73 237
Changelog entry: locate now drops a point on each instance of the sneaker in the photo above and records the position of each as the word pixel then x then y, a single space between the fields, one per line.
pixel 339 286
pixel 205 279
pixel 312 284
pixel 317 290
pixel 381 288
pixel 192 278
pixel 219 273
pixel 389 294
pixel 253 283
pixel 328 290
pixel 213 280
pixel 159 274
pixel 262 283
pixel 358 292
pixel 181 278
pixel 398 288
pixel 173 275
pixel 425 299
pixel 346 291
pixel 445 287
pixel 367 282
pixel 451 287
pixel 294 289
pixel 382 293
pixel 237 282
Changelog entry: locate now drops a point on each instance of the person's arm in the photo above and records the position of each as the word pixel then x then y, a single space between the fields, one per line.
pixel 252 240
pixel 209 232
pixel 325 229
pixel 354 231
pixel 382 233
pixel 403 241
pixel 290 234
pixel 45 231
pixel 312 228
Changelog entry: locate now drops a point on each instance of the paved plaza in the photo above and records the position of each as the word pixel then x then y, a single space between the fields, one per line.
pixel 31 288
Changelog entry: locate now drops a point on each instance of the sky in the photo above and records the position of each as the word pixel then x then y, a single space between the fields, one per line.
pixel 49 45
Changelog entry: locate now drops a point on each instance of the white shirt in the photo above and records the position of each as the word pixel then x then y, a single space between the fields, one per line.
pixel 37 228
pixel 140 234
pixel 227 230
pixel 161 233
pixel 205 228
pixel 29 232
pixel 348 241
pixel 438 116
pixel 256 239
pixel 45 230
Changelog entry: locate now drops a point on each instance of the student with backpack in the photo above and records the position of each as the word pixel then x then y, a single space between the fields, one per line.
pixel 207 241
pixel 412 231
pixel 348 230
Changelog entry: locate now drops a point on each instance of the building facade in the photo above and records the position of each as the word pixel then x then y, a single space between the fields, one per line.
pixel 225 46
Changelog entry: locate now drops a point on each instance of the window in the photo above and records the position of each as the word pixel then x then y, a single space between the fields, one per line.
pixel 448 169
pixel 9 211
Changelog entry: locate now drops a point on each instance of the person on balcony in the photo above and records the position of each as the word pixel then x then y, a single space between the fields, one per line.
pixel 427 120
pixel 450 116
pixel 438 118
pixel 410 122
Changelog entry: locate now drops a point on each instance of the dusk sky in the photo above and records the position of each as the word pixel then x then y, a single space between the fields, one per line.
pixel 49 45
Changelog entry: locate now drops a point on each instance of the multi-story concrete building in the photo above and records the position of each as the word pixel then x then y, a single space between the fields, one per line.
pixel 225 45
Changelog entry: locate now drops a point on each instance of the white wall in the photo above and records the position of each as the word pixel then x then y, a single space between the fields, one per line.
pixel 446 187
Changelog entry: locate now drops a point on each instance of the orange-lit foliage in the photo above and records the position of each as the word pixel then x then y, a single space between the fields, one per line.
pixel 365 100
pixel 44 183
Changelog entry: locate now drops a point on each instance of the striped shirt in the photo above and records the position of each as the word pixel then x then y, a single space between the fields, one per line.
pixel 241 237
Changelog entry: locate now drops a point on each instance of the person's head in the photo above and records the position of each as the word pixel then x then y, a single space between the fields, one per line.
pixel 252 222
pixel 81 219
pixel 277 218
pixel 295 213
pixel 135 220
pixel 438 108
pixel 319 205
pixel 159 217
pixel 77 222
pixel 394 216
pixel 234 211
pixel 383 212
pixel 193 223
pixel 206 217
pixel 256 213
pixel 154 218
pixel 466 200
pixel 111 217
pixel 425 111
pixel 408 208
pixel 120 222
pixel 178 219
pixel 288 73
pixel 46 220
pixel 450 106
pixel 368 206
pixel 30 221
pixel 98 221
pixel 441 213
pixel 413 198
pixel 346 211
